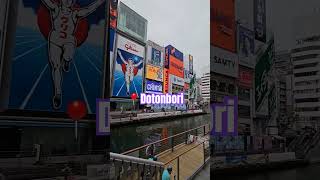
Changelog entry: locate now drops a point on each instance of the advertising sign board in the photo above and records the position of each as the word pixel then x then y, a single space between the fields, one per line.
pixel 153 86
pixel 52 66
pixel 166 80
pixel 223 25
pixel 223 62
pixel 176 80
pixel 246 47
pixel 155 54
pixel 170 50
pixel 190 64
pixel 154 73
pixel 128 70
pixel 245 77
pixel 176 67
pixel 261 72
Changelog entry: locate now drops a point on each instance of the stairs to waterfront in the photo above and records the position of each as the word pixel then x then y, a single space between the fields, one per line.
pixel 304 143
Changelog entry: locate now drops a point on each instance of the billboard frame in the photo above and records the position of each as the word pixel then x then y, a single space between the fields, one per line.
pixel 17 114
pixel 129 37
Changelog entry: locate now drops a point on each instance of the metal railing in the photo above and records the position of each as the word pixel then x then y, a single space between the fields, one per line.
pixel 128 167
pixel 180 162
pixel 169 143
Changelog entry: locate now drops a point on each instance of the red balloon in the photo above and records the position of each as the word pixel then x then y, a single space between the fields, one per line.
pixel 134 96
pixel 77 110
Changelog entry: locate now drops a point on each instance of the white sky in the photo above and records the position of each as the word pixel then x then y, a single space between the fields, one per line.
pixel 185 24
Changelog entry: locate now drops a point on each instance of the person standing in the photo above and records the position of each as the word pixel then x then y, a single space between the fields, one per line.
pixel 166 173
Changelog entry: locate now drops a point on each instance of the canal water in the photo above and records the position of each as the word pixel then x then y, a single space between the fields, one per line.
pixel 128 137
pixel 311 172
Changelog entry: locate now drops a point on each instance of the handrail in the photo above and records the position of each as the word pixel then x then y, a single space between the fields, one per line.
pixel 122 157
pixel 161 140
pixel 184 152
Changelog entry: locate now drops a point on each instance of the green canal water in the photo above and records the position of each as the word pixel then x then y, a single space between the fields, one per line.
pixel 129 137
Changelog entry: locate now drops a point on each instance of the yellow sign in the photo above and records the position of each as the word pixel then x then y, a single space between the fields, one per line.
pixel 154 73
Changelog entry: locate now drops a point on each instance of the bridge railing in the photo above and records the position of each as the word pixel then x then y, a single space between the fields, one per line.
pixel 168 144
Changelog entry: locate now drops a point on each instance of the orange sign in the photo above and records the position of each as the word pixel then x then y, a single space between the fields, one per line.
pixel 165 80
pixel 223 25
pixel 176 67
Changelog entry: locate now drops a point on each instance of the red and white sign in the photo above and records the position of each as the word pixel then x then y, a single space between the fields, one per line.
pixel 245 77
pixel 130 46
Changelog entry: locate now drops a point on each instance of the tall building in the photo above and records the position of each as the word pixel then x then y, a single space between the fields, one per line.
pixel 306 81
pixel 205 87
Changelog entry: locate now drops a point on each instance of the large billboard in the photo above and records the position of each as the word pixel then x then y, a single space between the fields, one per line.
pixel 165 80
pixel 171 51
pixel 246 47
pixel 155 54
pixel 222 24
pixel 176 67
pixel 261 72
pixel 153 86
pixel 154 73
pixel 128 68
pixel 259 16
pixel 138 29
pixel 57 59
pixel 223 62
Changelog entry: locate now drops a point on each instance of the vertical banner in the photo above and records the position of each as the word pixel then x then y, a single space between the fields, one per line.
pixel 223 25
pixel 260 20
pixel 165 80
pixel 58 58
pixel 261 72
pixel 103 117
pixel 246 47
pixel 190 64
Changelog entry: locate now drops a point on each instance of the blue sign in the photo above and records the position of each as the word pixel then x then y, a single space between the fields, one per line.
pixel 102 117
pixel 224 117
pixel 153 86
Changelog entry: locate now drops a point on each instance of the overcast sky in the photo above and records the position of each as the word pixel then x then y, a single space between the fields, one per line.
pixel 185 24
pixel 285 18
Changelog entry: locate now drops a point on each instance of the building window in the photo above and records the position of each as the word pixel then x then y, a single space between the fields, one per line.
pixel 304 57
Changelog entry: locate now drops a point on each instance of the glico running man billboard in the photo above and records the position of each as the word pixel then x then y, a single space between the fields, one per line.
pixel 58 57
pixel 128 68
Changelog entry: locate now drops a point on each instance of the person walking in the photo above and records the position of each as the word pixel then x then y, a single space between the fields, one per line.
pixel 166 173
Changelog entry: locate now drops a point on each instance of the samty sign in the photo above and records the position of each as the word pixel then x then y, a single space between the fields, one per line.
pixel 223 62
